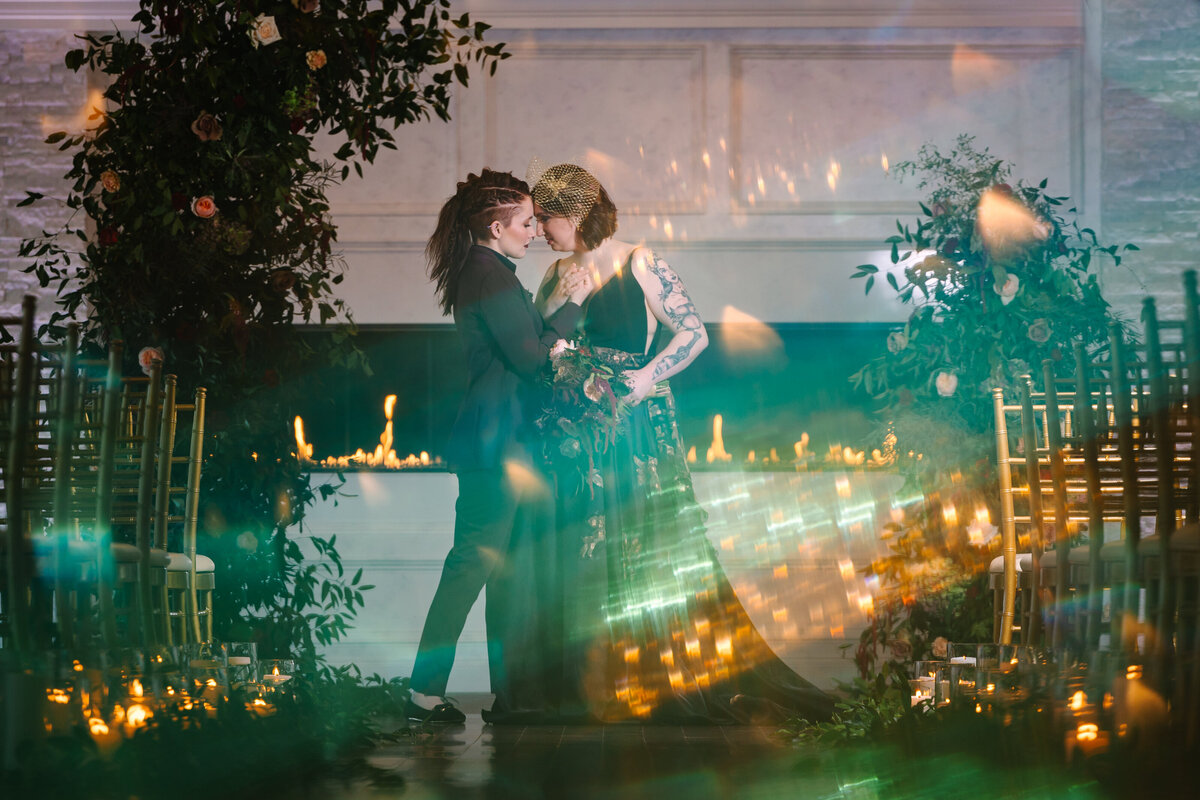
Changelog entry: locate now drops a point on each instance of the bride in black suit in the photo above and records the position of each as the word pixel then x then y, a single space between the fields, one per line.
pixel 488 222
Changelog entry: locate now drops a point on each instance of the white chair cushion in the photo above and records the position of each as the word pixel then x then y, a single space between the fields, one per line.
pixel 178 562
pixel 1024 563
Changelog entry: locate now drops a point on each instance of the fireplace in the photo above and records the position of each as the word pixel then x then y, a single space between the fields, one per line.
pixel 749 399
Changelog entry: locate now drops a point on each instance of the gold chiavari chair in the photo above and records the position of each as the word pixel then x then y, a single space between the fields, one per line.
pixel 1014 577
pixel 1173 583
pixel 140 568
pixel 45 514
pixel 189 576
pixel 18 367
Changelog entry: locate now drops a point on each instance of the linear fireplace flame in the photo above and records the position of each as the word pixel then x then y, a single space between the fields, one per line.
pixel 382 457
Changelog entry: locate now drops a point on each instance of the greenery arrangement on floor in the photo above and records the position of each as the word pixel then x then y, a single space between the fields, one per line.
pixel 1001 279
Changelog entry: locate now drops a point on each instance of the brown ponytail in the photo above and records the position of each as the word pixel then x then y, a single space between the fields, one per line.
pixel 479 201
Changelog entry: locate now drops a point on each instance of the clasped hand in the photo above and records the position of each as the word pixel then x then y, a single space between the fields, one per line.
pixel 574 285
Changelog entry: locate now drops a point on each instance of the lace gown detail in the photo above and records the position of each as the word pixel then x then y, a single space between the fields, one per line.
pixel 651 627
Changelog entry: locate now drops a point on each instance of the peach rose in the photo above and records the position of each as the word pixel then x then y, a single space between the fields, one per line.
pixel 947 383
pixel 204 207
pixel 110 180
pixel 315 58
pixel 264 30
pixel 148 356
pixel 207 128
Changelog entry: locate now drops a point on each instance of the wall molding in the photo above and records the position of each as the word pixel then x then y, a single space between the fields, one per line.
pixel 637 14
pixel 1069 52
pixel 691 54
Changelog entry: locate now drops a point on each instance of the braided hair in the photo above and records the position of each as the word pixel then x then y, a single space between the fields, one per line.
pixel 479 201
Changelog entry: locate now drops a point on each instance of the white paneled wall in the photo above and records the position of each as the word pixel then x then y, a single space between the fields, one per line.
pixel 753 159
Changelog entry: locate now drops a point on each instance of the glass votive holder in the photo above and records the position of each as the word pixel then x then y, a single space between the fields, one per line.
pixel 243 663
pixel 963 661
pixel 258 700
pixel 276 672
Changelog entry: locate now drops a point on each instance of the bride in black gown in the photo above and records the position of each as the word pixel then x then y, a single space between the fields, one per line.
pixel 645 624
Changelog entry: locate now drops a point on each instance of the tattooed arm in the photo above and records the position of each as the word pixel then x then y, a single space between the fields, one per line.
pixel 668 300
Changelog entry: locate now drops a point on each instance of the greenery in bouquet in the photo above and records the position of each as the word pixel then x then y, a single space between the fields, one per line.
pixel 583 406
pixel 1001 278
pixel 199 226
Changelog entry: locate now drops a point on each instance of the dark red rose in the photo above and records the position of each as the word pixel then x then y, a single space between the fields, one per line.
pixel 938 210
pixel 296 125
pixel 950 245
pixel 1003 188
pixel 1056 354
pixel 179 201
pixel 239 101
pixel 107 237
pixel 271 378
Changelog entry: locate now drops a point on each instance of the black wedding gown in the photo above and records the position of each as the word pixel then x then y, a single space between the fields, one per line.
pixel 637 620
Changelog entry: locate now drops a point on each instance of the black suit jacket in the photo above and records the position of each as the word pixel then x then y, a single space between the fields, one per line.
pixel 506 342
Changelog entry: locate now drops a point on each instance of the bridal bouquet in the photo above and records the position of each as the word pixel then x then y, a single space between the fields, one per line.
pixel 584 407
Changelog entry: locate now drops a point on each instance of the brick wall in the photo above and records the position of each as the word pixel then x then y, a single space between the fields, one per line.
pixel 37 95
pixel 1150 176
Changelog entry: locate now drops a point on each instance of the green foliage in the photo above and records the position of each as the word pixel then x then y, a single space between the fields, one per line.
pixel 201 226
pixel 1000 279
pixel 932 585
pixel 870 711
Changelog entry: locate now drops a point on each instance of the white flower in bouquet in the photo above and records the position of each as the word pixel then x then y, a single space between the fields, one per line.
pixel 1008 290
pixel 560 347
pixel 947 383
pixel 593 388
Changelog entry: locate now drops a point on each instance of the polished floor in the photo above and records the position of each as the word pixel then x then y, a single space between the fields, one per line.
pixel 475 760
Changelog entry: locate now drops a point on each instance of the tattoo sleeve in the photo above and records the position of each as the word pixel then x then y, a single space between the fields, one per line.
pixel 680 316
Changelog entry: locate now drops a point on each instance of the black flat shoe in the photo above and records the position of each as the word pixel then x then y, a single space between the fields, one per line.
pixel 442 712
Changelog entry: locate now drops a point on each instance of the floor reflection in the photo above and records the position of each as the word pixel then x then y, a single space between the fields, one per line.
pixel 670 763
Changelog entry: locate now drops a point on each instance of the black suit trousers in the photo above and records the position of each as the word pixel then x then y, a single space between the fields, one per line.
pixel 490 504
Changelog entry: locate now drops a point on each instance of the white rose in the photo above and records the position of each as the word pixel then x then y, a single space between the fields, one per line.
pixel 1008 290
pixel 560 347
pixel 593 388
pixel 264 30
pixel 947 383
pixel 897 341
